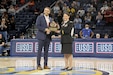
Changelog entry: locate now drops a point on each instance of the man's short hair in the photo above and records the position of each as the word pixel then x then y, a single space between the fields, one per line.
pixel 48 8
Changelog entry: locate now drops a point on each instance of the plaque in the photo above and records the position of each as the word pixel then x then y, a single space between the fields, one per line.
pixel 53 26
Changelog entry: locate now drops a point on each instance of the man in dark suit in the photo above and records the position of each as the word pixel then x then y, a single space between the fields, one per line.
pixel 43 36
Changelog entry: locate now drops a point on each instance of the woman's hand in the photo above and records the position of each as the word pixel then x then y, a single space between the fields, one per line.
pixel 58 31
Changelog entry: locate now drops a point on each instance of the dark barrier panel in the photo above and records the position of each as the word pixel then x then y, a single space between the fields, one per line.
pixel 81 47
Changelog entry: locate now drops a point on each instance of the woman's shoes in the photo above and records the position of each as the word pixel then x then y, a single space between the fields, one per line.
pixel 67 69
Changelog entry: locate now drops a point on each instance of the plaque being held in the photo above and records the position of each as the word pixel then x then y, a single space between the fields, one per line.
pixel 53 26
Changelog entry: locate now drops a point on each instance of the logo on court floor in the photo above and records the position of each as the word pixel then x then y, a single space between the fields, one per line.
pixel 54 71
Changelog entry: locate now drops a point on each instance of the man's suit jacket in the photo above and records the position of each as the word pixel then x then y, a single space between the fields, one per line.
pixel 41 25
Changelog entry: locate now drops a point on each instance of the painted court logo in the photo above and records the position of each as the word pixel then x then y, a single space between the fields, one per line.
pixel 53 71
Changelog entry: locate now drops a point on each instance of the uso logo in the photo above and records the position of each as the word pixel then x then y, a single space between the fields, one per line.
pixel 104 47
pixel 84 47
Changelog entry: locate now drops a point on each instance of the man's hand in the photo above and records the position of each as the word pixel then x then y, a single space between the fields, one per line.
pixel 47 31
